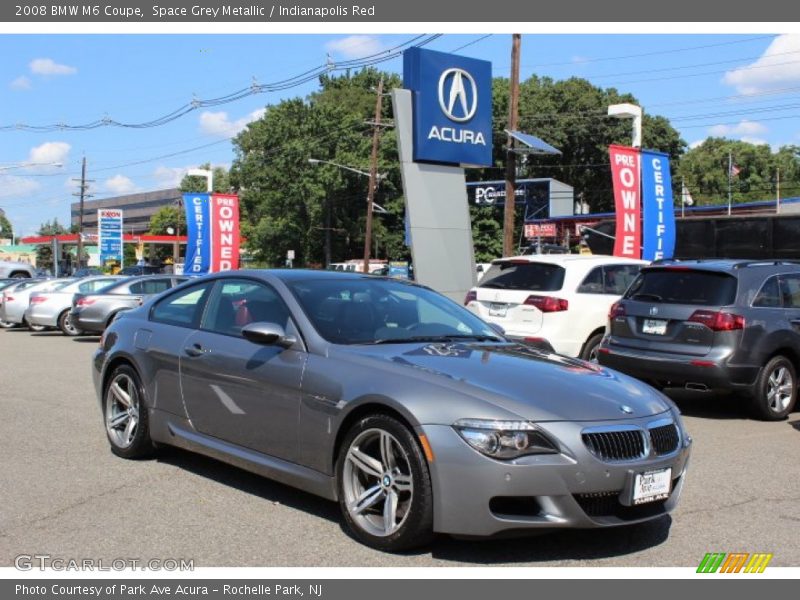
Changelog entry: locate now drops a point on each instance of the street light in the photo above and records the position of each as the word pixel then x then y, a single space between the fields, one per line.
pixel 629 111
pixel 374 208
pixel 27 165
pixel 207 173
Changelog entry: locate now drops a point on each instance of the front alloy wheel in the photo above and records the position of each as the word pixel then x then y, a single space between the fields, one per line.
pixel 126 415
pixel 384 485
pixel 776 390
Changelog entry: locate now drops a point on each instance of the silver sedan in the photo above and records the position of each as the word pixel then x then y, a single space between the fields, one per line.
pixel 52 308
pixel 412 413
pixel 15 299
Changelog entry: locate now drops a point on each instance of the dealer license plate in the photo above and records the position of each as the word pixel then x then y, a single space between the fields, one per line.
pixel 498 310
pixel 651 486
pixel 654 326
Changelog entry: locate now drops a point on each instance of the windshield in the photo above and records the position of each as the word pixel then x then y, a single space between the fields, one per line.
pixel 379 311
pixel 508 275
pixel 683 286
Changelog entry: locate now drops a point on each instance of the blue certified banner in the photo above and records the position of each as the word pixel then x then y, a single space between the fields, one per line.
pixel 109 234
pixel 452 100
pixel 658 227
pixel 198 234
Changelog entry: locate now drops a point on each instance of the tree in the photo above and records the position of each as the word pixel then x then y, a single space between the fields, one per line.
pixel 44 253
pixel 6 230
pixel 167 220
pixel 704 169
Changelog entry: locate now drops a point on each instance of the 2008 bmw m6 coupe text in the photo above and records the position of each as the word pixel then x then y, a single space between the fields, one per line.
pixel 407 409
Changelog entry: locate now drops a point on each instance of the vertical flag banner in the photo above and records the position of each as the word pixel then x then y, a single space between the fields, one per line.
pixel 224 232
pixel 212 228
pixel 658 206
pixel 198 234
pixel 109 234
pixel 625 175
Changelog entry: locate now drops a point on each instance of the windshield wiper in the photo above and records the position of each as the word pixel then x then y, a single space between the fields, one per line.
pixel 436 338
pixel 645 296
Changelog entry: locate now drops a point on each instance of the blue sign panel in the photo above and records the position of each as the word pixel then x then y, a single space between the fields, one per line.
pixel 452 98
pixel 658 218
pixel 198 234
pixel 109 233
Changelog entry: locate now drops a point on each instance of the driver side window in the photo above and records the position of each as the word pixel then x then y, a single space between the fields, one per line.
pixel 238 302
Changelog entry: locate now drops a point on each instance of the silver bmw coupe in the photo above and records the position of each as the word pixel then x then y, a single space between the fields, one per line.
pixel 407 409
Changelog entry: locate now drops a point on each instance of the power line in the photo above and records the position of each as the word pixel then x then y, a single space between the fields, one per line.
pixel 254 89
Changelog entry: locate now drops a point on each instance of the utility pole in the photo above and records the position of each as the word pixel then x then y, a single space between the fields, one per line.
pixel 730 172
pixel 373 176
pixel 84 184
pixel 511 158
pixel 778 190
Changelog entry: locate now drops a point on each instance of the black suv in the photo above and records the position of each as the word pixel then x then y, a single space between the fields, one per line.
pixel 712 325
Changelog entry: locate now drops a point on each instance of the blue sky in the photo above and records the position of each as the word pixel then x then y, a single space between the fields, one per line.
pixel 744 86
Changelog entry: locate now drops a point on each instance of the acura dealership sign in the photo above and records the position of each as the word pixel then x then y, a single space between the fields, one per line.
pixel 452 104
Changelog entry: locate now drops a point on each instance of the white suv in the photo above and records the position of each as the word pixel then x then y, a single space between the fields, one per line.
pixel 563 298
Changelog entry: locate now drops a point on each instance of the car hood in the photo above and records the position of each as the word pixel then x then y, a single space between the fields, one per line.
pixel 527 382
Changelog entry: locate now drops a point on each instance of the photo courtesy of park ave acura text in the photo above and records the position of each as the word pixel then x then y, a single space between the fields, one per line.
pixel 396 299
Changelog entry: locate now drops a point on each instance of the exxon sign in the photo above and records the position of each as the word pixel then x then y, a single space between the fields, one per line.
pixel 452 107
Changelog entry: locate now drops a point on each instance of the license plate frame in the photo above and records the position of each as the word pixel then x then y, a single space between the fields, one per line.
pixel 651 486
pixel 654 326
pixel 498 309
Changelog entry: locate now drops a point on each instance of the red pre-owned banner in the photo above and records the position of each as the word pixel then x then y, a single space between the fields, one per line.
pixel 627 201
pixel 224 232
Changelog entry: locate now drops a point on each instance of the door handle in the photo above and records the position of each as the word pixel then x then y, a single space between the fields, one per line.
pixel 195 350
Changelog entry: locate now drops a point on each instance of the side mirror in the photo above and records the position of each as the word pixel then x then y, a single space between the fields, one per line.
pixel 268 334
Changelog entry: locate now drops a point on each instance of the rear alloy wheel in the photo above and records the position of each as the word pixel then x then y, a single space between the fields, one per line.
pixel 34 328
pixel 66 325
pixel 126 414
pixel 776 390
pixel 384 486
pixel 7 325
pixel 590 348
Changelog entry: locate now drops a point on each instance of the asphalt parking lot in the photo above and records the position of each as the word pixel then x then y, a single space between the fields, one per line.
pixel 65 494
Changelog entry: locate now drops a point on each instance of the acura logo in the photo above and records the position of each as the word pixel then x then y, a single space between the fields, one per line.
pixel 653 310
pixel 458 95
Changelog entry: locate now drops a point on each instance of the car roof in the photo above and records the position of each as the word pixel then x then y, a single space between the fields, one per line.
pixel 584 259
pixel 724 265
pixel 303 274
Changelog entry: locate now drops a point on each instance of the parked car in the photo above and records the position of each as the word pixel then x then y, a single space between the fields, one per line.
pixel 414 414
pixel 15 300
pixel 563 298
pixel 14 269
pixel 87 272
pixel 712 325
pixel 52 308
pixel 93 311
pixel 141 270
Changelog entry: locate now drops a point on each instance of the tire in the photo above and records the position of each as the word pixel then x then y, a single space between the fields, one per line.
pixel 66 325
pixel 20 275
pixel 34 328
pixel 127 424
pixel 7 325
pixel 775 392
pixel 589 350
pixel 403 479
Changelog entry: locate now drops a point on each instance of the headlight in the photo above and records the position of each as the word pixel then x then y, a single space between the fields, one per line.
pixel 504 439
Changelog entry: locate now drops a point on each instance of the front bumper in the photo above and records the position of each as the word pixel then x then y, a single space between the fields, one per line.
pixel 478 496
pixel 715 372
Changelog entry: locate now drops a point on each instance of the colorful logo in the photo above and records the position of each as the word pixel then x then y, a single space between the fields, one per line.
pixel 737 562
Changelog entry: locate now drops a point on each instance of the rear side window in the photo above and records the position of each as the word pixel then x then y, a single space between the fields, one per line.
pixel 151 286
pixel 769 294
pixel 541 277
pixel 674 286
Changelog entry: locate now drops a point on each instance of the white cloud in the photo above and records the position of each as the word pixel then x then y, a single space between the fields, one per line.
pixel 49 152
pixel 777 67
pixel 20 83
pixel 696 144
pixel 743 129
pixel 12 186
pixel 355 46
pixel 47 66
pixel 579 60
pixel 119 184
pixel 220 124
pixel 168 177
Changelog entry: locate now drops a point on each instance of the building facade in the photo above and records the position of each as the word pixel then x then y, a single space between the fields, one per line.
pixel 137 209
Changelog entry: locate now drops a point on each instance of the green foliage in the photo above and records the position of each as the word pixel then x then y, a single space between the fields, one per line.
pixel 168 217
pixel 44 253
pixel 705 171
pixel 6 230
